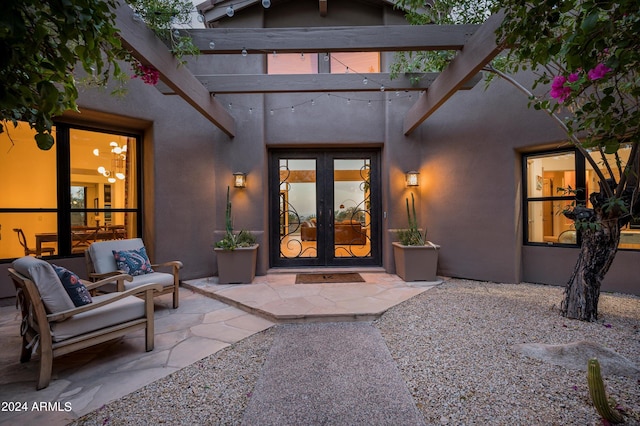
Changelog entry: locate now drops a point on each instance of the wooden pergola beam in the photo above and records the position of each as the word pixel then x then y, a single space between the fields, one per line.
pixel 150 50
pixel 332 39
pixel 305 83
pixel 214 10
pixel 480 49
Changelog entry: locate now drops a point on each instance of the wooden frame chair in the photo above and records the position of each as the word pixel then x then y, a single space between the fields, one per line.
pixel 51 330
pixel 101 265
pixel 27 251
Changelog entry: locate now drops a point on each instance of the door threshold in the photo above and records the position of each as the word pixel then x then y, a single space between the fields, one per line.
pixel 326 269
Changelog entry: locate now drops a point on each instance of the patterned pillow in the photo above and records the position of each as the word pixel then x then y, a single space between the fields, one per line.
pixel 133 262
pixel 75 289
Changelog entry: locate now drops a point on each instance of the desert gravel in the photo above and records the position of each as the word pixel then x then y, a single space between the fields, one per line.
pixel 454 347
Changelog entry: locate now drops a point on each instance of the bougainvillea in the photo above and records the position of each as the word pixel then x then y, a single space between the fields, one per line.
pixel 563 87
pixel 148 74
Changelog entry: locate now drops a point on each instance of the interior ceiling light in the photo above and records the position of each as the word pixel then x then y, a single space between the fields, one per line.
pixel 118 156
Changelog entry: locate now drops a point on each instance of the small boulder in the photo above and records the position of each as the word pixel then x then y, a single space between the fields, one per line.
pixel 575 356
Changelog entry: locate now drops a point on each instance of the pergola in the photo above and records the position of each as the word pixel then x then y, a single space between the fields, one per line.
pixel 476 45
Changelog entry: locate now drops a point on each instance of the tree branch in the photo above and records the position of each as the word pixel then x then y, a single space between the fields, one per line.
pixel 573 138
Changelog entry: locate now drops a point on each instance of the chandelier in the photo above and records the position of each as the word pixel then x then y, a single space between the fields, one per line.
pixel 118 162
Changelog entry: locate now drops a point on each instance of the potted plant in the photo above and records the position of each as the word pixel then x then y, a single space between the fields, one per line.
pixel 416 258
pixel 236 252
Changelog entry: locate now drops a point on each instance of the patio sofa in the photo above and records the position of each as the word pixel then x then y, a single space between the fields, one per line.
pixel 101 264
pixel 59 316
pixel 346 232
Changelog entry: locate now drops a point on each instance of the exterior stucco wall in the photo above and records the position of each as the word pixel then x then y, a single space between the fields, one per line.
pixel 180 183
pixel 468 153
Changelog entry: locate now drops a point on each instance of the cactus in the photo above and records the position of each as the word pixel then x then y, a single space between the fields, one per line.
pixel 599 395
pixel 231 240
pixel 412 236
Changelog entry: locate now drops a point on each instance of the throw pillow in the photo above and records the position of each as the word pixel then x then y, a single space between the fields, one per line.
pixel 133 262
pixel 75 289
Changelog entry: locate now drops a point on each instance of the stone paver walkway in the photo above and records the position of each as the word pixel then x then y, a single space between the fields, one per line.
pixel 276 296
pixel 330 374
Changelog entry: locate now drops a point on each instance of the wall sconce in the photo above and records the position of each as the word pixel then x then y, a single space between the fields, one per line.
pixel 240 180
pixel 412 178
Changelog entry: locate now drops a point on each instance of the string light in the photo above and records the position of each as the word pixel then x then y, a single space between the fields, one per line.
pixel 244 52
pixel 312 102
pixel 230 11
pixel 365 81
pixel 266 4
pixel 212 45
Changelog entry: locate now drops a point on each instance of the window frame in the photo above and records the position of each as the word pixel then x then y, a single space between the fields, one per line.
pixel 63 210
pixel 579 198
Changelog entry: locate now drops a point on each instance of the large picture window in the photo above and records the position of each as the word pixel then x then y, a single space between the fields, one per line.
pixel 57 202
pixel 554 181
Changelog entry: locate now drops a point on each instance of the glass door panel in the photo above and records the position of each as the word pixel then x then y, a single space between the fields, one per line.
pixel 352 202
pixel 297 209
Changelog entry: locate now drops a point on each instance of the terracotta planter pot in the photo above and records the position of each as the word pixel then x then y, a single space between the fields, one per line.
pixel 237 266
pixel 416 263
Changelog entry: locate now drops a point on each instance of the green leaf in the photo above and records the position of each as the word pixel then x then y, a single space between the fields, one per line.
pixel 44 141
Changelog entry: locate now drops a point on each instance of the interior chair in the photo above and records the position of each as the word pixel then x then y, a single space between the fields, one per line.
pixel 101 264
pixel 52 325
pixel 27 251
pixel 568 237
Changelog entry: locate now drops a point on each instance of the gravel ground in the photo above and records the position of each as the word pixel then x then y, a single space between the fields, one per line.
pixel 453 346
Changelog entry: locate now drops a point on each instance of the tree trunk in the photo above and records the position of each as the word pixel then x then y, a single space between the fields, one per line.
pixel 597 252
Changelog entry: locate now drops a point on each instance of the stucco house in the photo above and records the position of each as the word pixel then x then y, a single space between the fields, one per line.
pixel 328 148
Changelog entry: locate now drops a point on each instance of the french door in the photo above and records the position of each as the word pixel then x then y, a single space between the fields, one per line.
pixel 325 208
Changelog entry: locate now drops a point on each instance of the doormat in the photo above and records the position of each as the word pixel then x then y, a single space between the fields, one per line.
pixel 351 277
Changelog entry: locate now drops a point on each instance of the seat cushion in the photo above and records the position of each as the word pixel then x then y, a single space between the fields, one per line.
pixel 162 278
pixel 102 253
pixel 118 312
pixel 52 293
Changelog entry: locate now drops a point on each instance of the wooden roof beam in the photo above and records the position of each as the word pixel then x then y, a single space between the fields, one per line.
pixel 480 49
pixel 309 83
pixel 150 50
pixel 332 39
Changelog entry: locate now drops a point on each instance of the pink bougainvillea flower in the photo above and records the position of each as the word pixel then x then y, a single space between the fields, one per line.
pixel 573 77
pixel 558 89
pixel 598 72
pixel 149 75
